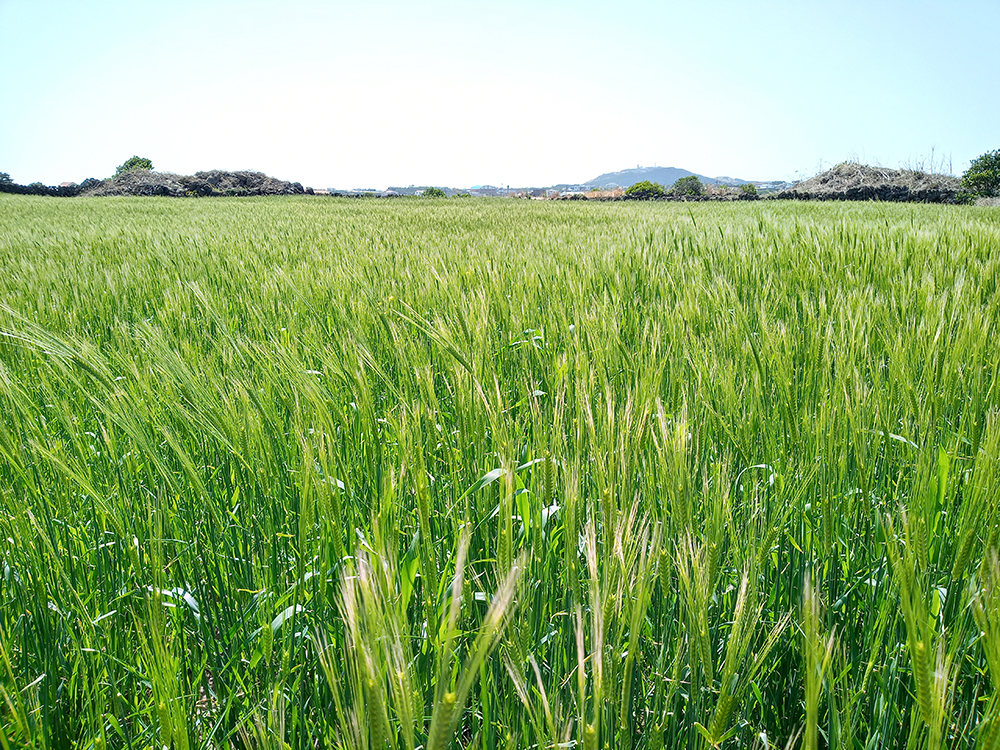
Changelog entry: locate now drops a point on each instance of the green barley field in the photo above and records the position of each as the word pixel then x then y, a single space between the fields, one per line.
pixel 318 473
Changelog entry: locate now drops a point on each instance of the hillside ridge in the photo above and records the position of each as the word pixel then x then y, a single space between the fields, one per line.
pixel 663 175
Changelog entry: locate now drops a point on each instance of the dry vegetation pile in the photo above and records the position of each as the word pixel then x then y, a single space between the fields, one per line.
pixel 850 181
pixel 215 182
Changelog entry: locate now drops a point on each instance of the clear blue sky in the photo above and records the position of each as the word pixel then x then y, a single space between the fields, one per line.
pixel 378 93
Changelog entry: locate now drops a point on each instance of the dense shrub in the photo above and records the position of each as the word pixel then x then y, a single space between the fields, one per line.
pixel 689 186
pixel 748 192
pixel 134 164
pixel 644 191
pixel 983 175
pixel 434 192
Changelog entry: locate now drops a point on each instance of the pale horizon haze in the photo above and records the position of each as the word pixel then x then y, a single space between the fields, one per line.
pixel 373 94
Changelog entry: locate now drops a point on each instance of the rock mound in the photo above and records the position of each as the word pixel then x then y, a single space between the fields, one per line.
pixel 245 183
pixel 859 182
pixel 215 182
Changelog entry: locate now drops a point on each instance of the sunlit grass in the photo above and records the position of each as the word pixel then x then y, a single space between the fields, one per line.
pixel 312 473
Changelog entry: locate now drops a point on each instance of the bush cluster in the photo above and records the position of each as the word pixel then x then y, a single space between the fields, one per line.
pixel 134 164
pixel 644 191
pixel 688 187
pixel 37 188
pixel 685 187
pixel 983 175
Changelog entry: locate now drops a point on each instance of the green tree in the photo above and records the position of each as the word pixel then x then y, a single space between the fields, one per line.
pixel 983 175
pixel 644 191
pixel 748 191
pixel 134 164
pixel 688 186
pixel 5 179
pixel 433 192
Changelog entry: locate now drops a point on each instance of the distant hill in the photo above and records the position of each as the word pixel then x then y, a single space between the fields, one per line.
pixel 663 175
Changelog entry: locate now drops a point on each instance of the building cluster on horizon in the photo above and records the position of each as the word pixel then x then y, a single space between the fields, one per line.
pixel 477 191
pixel 563 190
